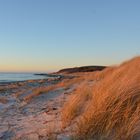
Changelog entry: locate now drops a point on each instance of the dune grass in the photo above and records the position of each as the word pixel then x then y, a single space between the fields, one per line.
pixel 65 84
pixel 113 109
pixel 37 91
pixel 76 104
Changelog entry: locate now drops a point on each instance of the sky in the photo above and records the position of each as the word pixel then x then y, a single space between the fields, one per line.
pixel 47 35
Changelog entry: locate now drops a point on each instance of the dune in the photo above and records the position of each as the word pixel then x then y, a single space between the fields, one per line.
pixel 108 109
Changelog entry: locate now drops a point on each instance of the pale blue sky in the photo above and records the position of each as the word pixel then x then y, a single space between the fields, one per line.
pixel 45 35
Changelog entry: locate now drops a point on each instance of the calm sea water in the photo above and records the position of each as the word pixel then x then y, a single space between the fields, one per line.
pixel 13 77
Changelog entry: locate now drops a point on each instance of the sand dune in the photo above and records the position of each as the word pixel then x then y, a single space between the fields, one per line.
pixel 110 108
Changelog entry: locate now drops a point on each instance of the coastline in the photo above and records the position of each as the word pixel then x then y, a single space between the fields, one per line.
pixel 19 77
pixel 58 108
pixel 31 101
pixel 32 109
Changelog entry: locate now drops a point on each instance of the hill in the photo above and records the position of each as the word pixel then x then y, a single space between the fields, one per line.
pixel 82 69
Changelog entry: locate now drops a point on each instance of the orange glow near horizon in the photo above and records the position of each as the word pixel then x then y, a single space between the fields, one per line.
pixel 30 64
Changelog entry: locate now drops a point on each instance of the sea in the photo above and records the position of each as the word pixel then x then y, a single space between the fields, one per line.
pixel 14 77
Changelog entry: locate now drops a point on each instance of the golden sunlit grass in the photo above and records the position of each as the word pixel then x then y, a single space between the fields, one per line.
pixel 65 83
pixel 37 91
pixel 76 103
pixel 113 111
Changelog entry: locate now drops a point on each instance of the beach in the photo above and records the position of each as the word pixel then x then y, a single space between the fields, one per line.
pixel 30 110
pixel 73 104
pixel 69 70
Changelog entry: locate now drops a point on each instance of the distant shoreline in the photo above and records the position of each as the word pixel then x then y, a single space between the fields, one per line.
pixel 19 77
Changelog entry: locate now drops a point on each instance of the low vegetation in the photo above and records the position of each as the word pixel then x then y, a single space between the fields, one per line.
pixel 106 106
pixel 37 91
pixel 65 84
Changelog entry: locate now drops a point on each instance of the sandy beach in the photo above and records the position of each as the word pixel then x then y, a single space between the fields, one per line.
pixel 69 70
pixel 29 111
pixel 73 105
